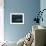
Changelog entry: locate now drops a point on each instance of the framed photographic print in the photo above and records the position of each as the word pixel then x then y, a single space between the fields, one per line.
pixel 16 18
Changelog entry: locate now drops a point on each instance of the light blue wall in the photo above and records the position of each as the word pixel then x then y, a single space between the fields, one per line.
pixel 43 6
pixel 29 8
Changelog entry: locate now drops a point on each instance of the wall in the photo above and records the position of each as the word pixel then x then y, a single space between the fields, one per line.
pixel 1 21
pixel 29 8
pixel 43 6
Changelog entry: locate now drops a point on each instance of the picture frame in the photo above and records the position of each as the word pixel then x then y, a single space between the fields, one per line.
pixel 16 18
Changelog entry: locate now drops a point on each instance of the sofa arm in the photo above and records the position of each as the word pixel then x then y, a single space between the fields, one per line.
pixel 39 37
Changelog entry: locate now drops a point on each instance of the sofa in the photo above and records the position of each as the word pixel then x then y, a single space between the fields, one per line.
pixel 39 33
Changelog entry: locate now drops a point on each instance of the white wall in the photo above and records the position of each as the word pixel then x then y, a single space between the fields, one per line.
pixel 1 20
